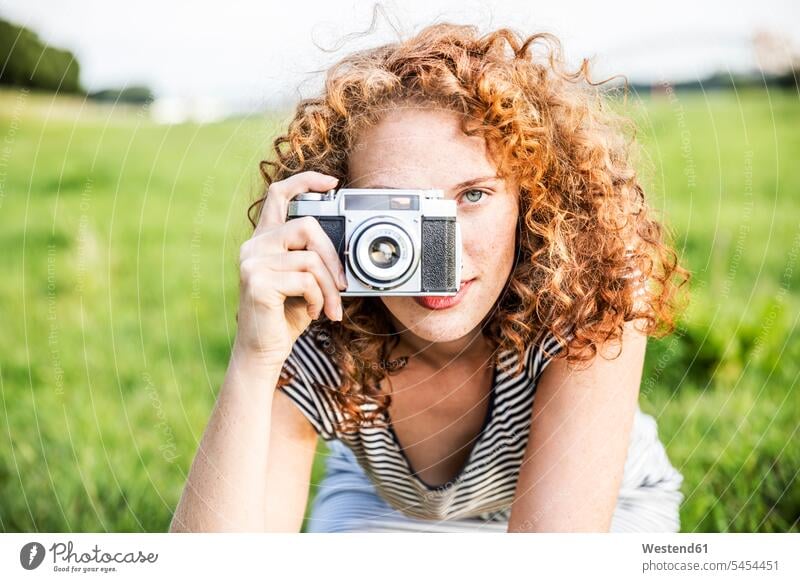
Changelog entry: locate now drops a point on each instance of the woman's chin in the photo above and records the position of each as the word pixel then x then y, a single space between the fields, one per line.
pixel 432 325
pixel 439 335
pixel 438 327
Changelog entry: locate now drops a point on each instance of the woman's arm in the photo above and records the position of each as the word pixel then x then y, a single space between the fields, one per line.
pixel 253 460
pixel 255 456
pixel 580 431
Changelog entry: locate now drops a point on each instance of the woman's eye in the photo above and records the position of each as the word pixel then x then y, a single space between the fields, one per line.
pixel 473 196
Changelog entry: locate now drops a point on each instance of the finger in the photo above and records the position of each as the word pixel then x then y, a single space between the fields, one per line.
pixel 268 243
pixel 302 284
pixel 272 242
pixel 279 193
pixel 305 233
pixel 309 261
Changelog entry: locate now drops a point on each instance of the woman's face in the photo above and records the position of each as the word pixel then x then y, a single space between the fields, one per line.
pixel 425 148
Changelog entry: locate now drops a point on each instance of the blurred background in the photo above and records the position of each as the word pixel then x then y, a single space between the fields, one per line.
pixel 130 137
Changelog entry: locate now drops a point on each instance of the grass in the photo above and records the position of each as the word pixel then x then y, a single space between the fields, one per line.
pixel 119 247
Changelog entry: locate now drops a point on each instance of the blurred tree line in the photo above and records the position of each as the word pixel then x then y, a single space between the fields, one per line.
pixel 138 94
pixel 28 62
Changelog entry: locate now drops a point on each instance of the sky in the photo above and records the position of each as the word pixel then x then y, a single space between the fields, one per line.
pixel 249 54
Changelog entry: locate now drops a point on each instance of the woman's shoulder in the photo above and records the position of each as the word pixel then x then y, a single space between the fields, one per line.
pixel 309 375
pixel 312 353
pixel 542 350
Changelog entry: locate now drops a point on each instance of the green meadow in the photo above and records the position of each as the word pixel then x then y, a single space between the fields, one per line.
pixel 119 248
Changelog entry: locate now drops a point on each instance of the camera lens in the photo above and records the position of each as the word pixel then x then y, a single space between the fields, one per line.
pixel 384 252
pixel 381 253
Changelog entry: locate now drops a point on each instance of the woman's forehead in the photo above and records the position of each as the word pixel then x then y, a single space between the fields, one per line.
pixel 424 150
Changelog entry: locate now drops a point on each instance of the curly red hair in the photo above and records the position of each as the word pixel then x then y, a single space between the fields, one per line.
pixel 590 255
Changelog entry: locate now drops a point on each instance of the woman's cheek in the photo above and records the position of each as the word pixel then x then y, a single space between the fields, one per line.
pixel 472 248
pixel 503 249
pixel 488 240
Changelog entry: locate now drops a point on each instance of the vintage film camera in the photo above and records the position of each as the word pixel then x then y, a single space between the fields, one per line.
pixel 390 241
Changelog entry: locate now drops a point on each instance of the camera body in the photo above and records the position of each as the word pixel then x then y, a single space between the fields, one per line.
pixel 390 241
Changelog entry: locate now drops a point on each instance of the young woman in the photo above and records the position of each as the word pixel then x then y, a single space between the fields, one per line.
pixel 511 407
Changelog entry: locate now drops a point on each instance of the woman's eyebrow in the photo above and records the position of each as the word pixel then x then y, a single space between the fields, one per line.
pixel 470 182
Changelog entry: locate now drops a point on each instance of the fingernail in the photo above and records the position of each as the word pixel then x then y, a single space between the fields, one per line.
pixel 338 313
pixel 342 280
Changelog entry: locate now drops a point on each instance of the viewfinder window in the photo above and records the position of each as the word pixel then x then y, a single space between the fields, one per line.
pixel 381 202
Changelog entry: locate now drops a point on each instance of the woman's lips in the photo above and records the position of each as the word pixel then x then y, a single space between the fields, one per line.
pixel 439 302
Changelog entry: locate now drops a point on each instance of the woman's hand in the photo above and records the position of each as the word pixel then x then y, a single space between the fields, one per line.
pixel 289 272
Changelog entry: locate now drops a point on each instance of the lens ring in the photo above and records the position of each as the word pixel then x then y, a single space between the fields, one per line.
pixel 382 230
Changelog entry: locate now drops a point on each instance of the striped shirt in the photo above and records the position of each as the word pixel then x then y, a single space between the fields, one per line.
pixel 484 487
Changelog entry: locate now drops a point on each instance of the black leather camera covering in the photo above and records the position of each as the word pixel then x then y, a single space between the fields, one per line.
pixel 334 228
pixel 439 254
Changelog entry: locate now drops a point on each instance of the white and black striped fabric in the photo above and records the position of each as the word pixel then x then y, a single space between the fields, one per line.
pixel 370 486
pixel 649 498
